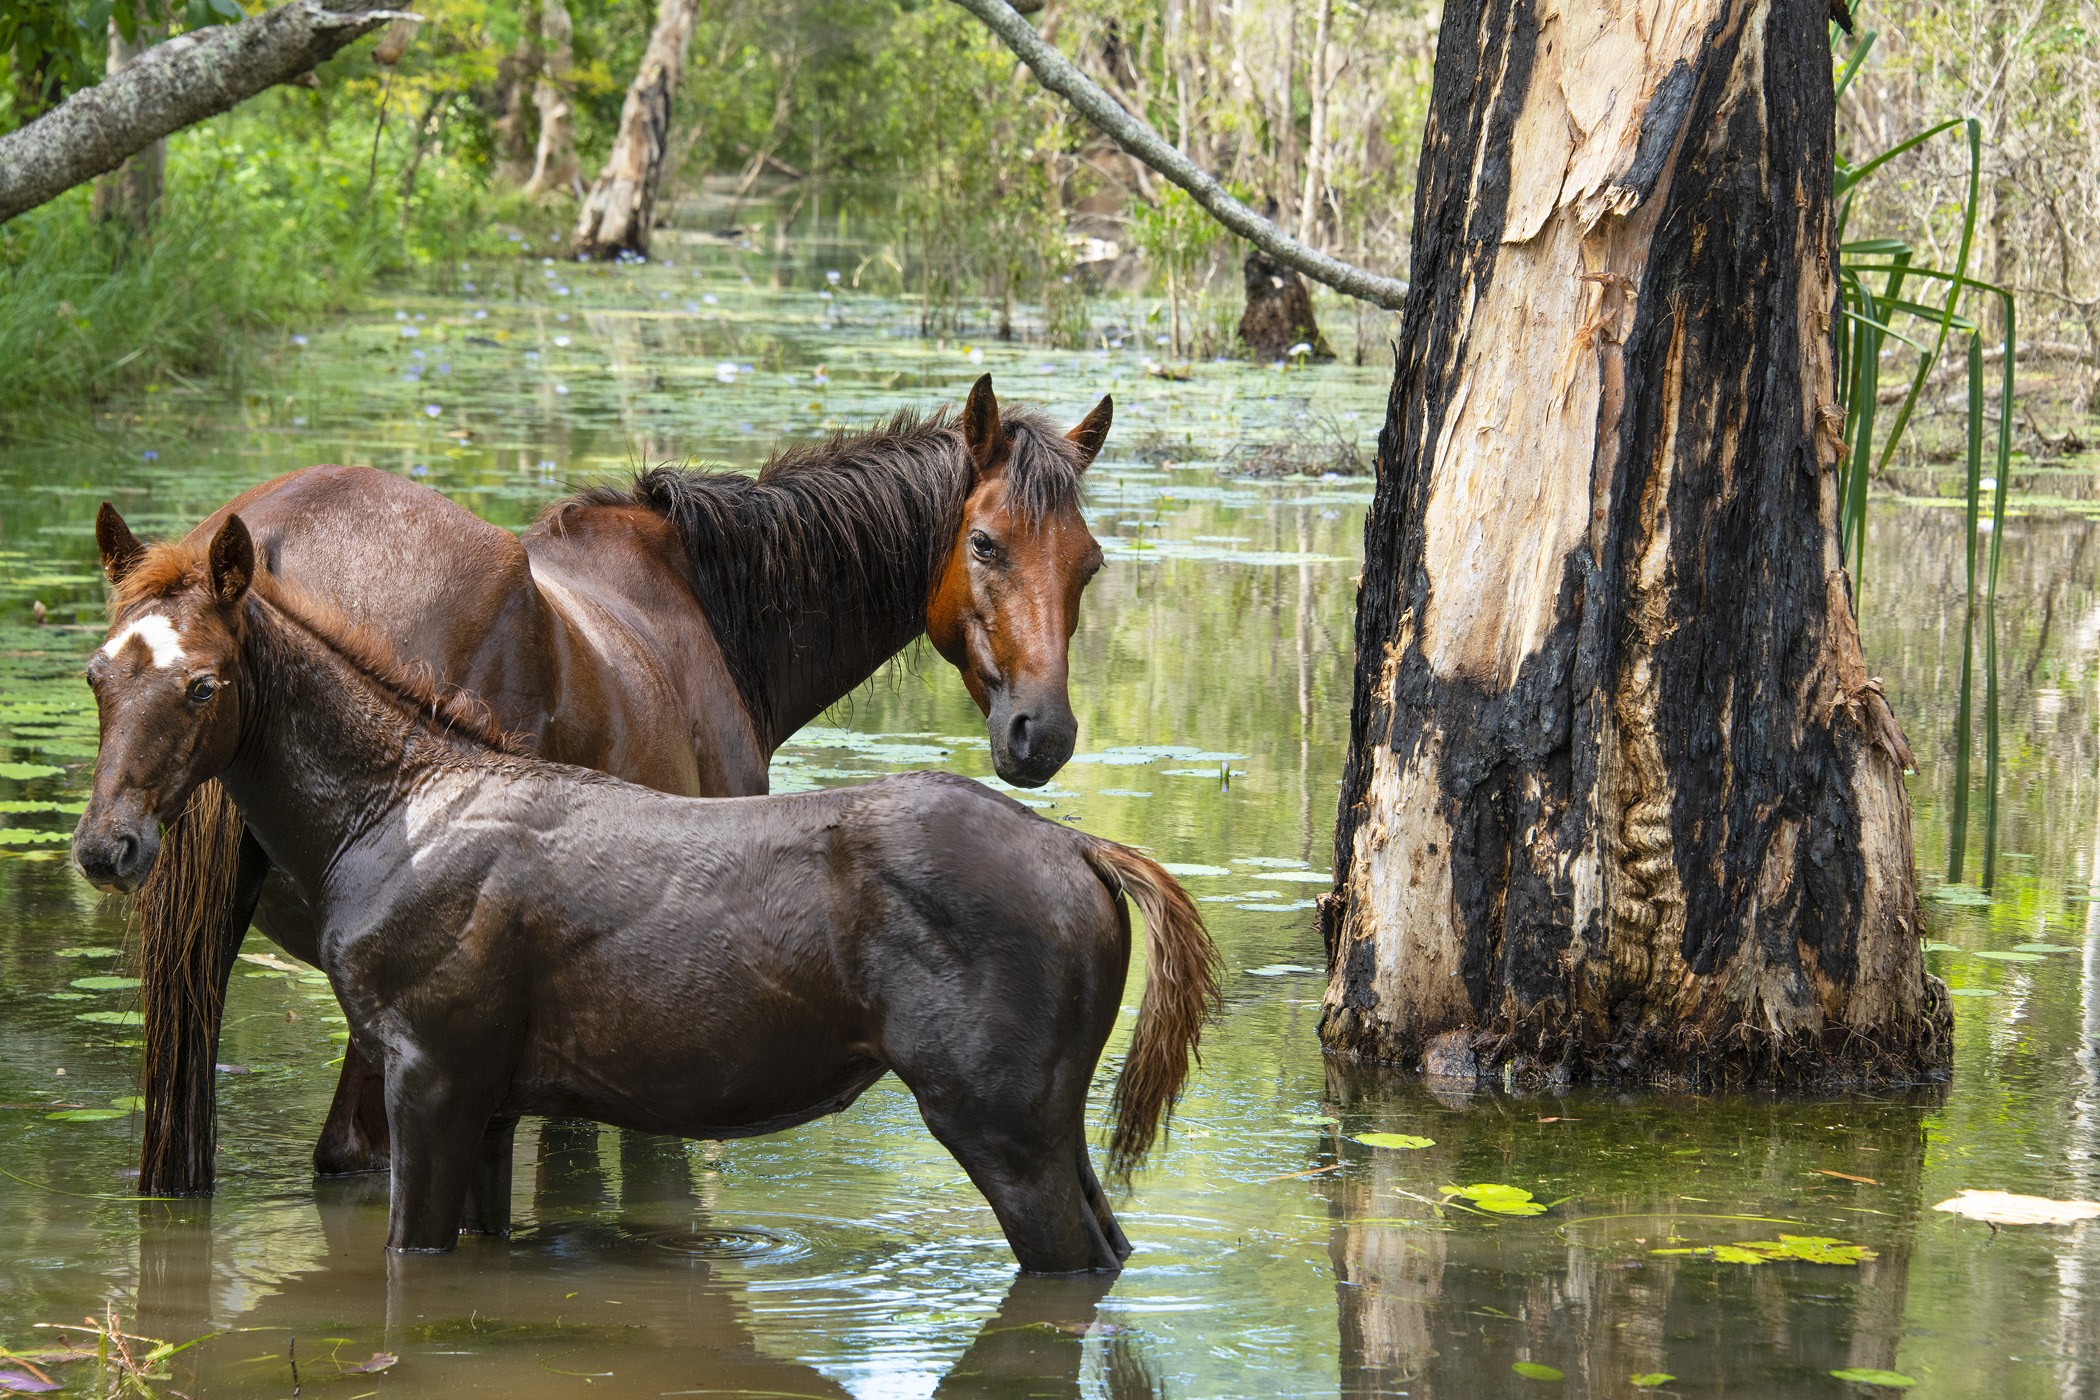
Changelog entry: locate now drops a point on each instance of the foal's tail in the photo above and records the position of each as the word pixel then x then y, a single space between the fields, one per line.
pixel 1181 991
pixel 181 913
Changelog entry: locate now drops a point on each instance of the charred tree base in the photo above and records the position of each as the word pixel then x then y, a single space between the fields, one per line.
pixel 1279 315
pixel 1539 1058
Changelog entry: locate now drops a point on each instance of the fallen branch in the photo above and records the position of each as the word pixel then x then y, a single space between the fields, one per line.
pixel 170 86
pixel 1056 73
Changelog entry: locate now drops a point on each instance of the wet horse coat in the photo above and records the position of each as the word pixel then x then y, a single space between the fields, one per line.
pixel 509 936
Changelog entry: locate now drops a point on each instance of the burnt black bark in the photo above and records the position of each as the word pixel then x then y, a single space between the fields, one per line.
pixel 1688 785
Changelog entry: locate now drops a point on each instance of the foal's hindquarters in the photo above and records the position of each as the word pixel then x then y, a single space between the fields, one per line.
pixel 561 943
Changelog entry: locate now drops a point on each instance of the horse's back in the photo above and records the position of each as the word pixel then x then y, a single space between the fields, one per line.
pixel 441 585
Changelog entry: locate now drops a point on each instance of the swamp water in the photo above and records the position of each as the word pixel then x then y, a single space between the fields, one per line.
pixel 1284 1248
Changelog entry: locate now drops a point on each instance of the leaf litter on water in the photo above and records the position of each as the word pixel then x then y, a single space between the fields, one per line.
pixel 1408 1141
pixel 1868 1375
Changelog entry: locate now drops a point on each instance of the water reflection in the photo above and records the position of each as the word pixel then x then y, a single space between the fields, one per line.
pixel 633 1283
pixel 1436 1301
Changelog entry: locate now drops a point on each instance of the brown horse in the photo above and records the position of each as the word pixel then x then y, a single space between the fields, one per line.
pixel 673 633
pixel 509 936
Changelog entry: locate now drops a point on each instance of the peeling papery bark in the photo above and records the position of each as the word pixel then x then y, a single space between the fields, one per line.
pixel 620 209
pixel 168 87
pixel 1622 801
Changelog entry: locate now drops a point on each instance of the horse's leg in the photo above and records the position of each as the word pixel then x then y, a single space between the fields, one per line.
pixel 488 1194
pixel 439 1119
pixel 1097 1201
pixel 354 1139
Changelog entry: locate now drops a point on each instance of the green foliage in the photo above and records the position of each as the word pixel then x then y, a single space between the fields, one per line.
pixel 1878 317
pixel 1496 1199
pixel 1800 1249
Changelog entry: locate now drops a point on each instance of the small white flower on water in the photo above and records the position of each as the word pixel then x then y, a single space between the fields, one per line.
pixel 401 315
pixel 743 427
pixel 561 316
pixel 415 354
pixel 546 262
pixel 561 340
pixel 820 377
pixel 1046 369
pixel 469 286
pixel 432 409
pixel 481 315
pixel 832 277
pixel 419 315
pixel 823 296
pixel 462 267
pixel 1159 340
pixel 692 307
pixel 976 356
pixel 726 372
pixel 298 340
pixel 531 355
pixel 299 422
pixel 547 464
pixel 561 388
pixel 708 297
pixel 1303 347
pixel 561 291
pixel 409 332
pixel 1989 483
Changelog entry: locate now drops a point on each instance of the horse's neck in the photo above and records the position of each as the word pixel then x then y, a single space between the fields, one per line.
pixel 827 657
pixel 322 754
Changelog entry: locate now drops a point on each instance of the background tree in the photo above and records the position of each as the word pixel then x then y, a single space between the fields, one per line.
pixel 1621 800
pixel 620 208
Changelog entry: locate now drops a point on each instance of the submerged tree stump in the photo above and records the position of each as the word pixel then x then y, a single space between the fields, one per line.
pixel 1622 801
pixel 1279 315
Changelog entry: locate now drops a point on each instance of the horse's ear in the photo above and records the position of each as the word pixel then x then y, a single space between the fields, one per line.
pixel 121 550
pixel 232 561
pixel 1092 431
pixel 980 425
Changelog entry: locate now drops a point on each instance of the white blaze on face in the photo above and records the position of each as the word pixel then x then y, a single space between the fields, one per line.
pixel 156 632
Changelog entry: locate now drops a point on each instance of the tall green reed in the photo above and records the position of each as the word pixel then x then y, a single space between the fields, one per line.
pixel 1872 274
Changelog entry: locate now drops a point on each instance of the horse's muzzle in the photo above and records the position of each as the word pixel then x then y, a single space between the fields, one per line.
pixel 1030 742
pixel 116 855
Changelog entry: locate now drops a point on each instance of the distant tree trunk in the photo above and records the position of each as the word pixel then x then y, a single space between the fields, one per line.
pixel 621 207
pixel 131 193
pixel 1621 800
pixel 1279 314
pixel 554 164
pixel 512 131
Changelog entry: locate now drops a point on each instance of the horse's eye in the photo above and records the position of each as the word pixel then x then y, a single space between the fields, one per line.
pixel 985 546
pixel 202 689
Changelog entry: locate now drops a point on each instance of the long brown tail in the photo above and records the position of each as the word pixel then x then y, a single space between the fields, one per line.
pixel 181 914
pixel 1181 991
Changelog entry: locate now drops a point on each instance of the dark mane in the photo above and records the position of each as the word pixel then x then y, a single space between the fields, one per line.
pixel 175 566
pixel 856 525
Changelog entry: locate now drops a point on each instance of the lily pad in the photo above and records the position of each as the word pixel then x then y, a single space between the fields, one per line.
pixel 1534 1371
pixel 23 772
pixel 1645 1379
pixel 85 1115
pixel 1800 1249
pixel 2045 948
pixel 92 950
pixel 1182 870
pixel 1997 955
pixel 1967 896
pixel 1303 877
pixel 1408 1141
pixel 1943 947
pixel 1314 1120
pixel 112 1018
pixel 105 984
pixel 1279 970
pixel 1868 1375
pixel 1497 1199
pixel 1270 862
pixel 1972 991
pixel 2005 1208
pixel 23 836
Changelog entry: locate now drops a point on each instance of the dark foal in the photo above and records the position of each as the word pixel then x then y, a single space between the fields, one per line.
pixel 674 633
pixel 510 936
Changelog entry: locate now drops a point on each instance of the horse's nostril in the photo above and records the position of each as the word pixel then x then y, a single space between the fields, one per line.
pixel 126 854
pixel 1017 737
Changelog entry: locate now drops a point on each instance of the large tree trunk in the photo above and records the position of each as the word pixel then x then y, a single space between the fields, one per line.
pixel 511 132
pixel 554 163
pixel 1621 799
pixel 621 207
pixel 168 87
